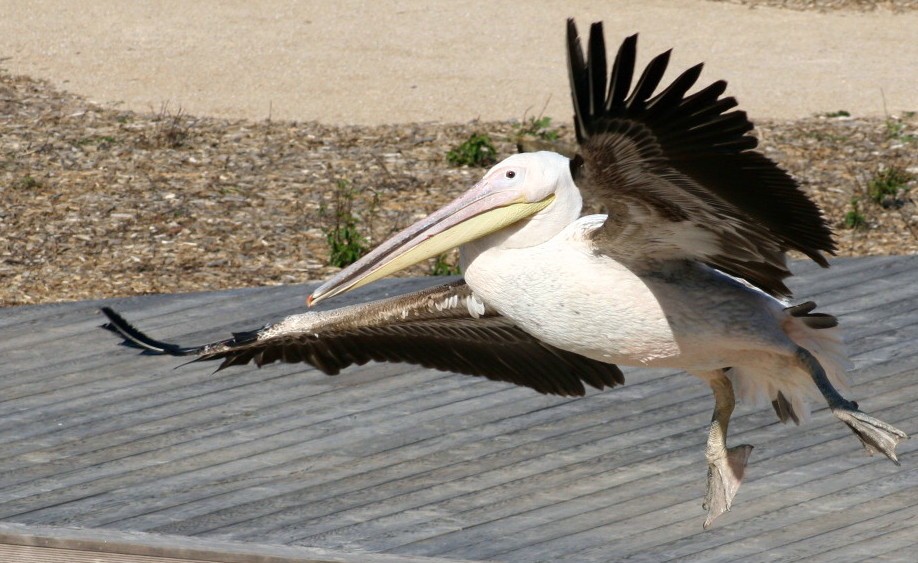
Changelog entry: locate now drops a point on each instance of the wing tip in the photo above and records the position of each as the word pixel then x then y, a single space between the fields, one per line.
pixel 135 338
pixel 695 129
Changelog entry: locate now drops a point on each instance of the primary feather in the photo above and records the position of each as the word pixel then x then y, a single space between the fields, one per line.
pixel 678 174
pixel 436 328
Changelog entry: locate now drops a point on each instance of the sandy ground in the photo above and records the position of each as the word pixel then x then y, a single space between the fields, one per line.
pixel 394 61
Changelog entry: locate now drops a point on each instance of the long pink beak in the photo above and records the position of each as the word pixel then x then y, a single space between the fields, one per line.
pixel 478 212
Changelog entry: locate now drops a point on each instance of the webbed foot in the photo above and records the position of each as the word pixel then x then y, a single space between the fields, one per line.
pixel 875 435
pixel 725 474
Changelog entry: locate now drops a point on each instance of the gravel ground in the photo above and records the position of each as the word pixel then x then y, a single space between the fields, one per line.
pixel 98 202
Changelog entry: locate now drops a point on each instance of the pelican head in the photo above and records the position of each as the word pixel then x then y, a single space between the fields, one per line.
pixel 522 201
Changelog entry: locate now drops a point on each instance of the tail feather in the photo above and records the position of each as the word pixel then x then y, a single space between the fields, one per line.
pixel 789 389
pixel 804 312
pixel 784 409
pixel 819 333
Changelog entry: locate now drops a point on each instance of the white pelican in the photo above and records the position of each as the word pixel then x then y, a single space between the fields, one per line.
pixel 685 269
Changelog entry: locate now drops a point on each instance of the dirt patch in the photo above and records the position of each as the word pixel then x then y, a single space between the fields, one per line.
pixel 831 5
pixel 98 202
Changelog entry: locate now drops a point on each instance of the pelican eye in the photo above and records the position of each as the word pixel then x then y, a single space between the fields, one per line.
pixel 510 174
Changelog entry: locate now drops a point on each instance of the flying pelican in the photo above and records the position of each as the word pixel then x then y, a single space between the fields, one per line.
pixel 685 269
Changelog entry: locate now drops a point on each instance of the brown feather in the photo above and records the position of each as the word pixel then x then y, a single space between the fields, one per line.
pixel 678 174
pixel 432 328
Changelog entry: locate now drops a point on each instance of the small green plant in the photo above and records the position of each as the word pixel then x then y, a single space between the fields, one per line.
pixel 28 183
pixel 539 127
pixel 103 141
pixel 854 219
pixel 887 182
pixel 827 137
pixel 442 266
pixel 894 127
pixel 477 151
pixel 345 243
pixel 895 130
pixel 839 113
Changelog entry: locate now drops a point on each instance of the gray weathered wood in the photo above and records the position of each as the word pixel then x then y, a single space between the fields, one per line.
pixel 405 461
pixel 42 544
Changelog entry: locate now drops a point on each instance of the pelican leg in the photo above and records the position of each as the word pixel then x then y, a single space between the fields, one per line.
pixel 726 466
pixel 874 434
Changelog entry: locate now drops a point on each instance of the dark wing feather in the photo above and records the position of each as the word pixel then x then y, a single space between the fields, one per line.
pixel 677 172
pixel 432 328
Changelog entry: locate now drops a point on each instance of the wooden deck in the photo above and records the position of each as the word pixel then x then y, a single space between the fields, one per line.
pixel 284 463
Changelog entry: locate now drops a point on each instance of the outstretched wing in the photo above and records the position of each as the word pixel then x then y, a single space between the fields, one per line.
pixel 435 328
pixel 678 174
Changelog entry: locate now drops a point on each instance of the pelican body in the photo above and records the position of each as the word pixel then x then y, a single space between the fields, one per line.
pixel 563 292
pixel 684 269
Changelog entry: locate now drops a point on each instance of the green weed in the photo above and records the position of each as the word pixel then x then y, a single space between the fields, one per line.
pixel 854 219
pixel 444 266
pixel 839 113
pixel 27 183
pixel 103 141
pixel 539 127
pixel 886 184
pixel 827 137
pixel 345 242
pixel 895 130
pixel 478 150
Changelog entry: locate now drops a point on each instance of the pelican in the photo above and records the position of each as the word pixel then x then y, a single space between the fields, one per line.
pixel 684 269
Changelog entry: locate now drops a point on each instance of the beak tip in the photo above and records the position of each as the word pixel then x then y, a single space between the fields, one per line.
pixel 309 301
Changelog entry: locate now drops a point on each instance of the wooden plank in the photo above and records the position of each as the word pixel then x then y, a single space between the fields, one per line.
pixel 554 517
pixel 594 544
pixel 72 545
pixel 503 427
pixel 491 494
pixel 389 459
pixel 760 463
pixel 843 433
pixel 811 526
pixel 860 535
pixel 641 520
pixel 897 545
